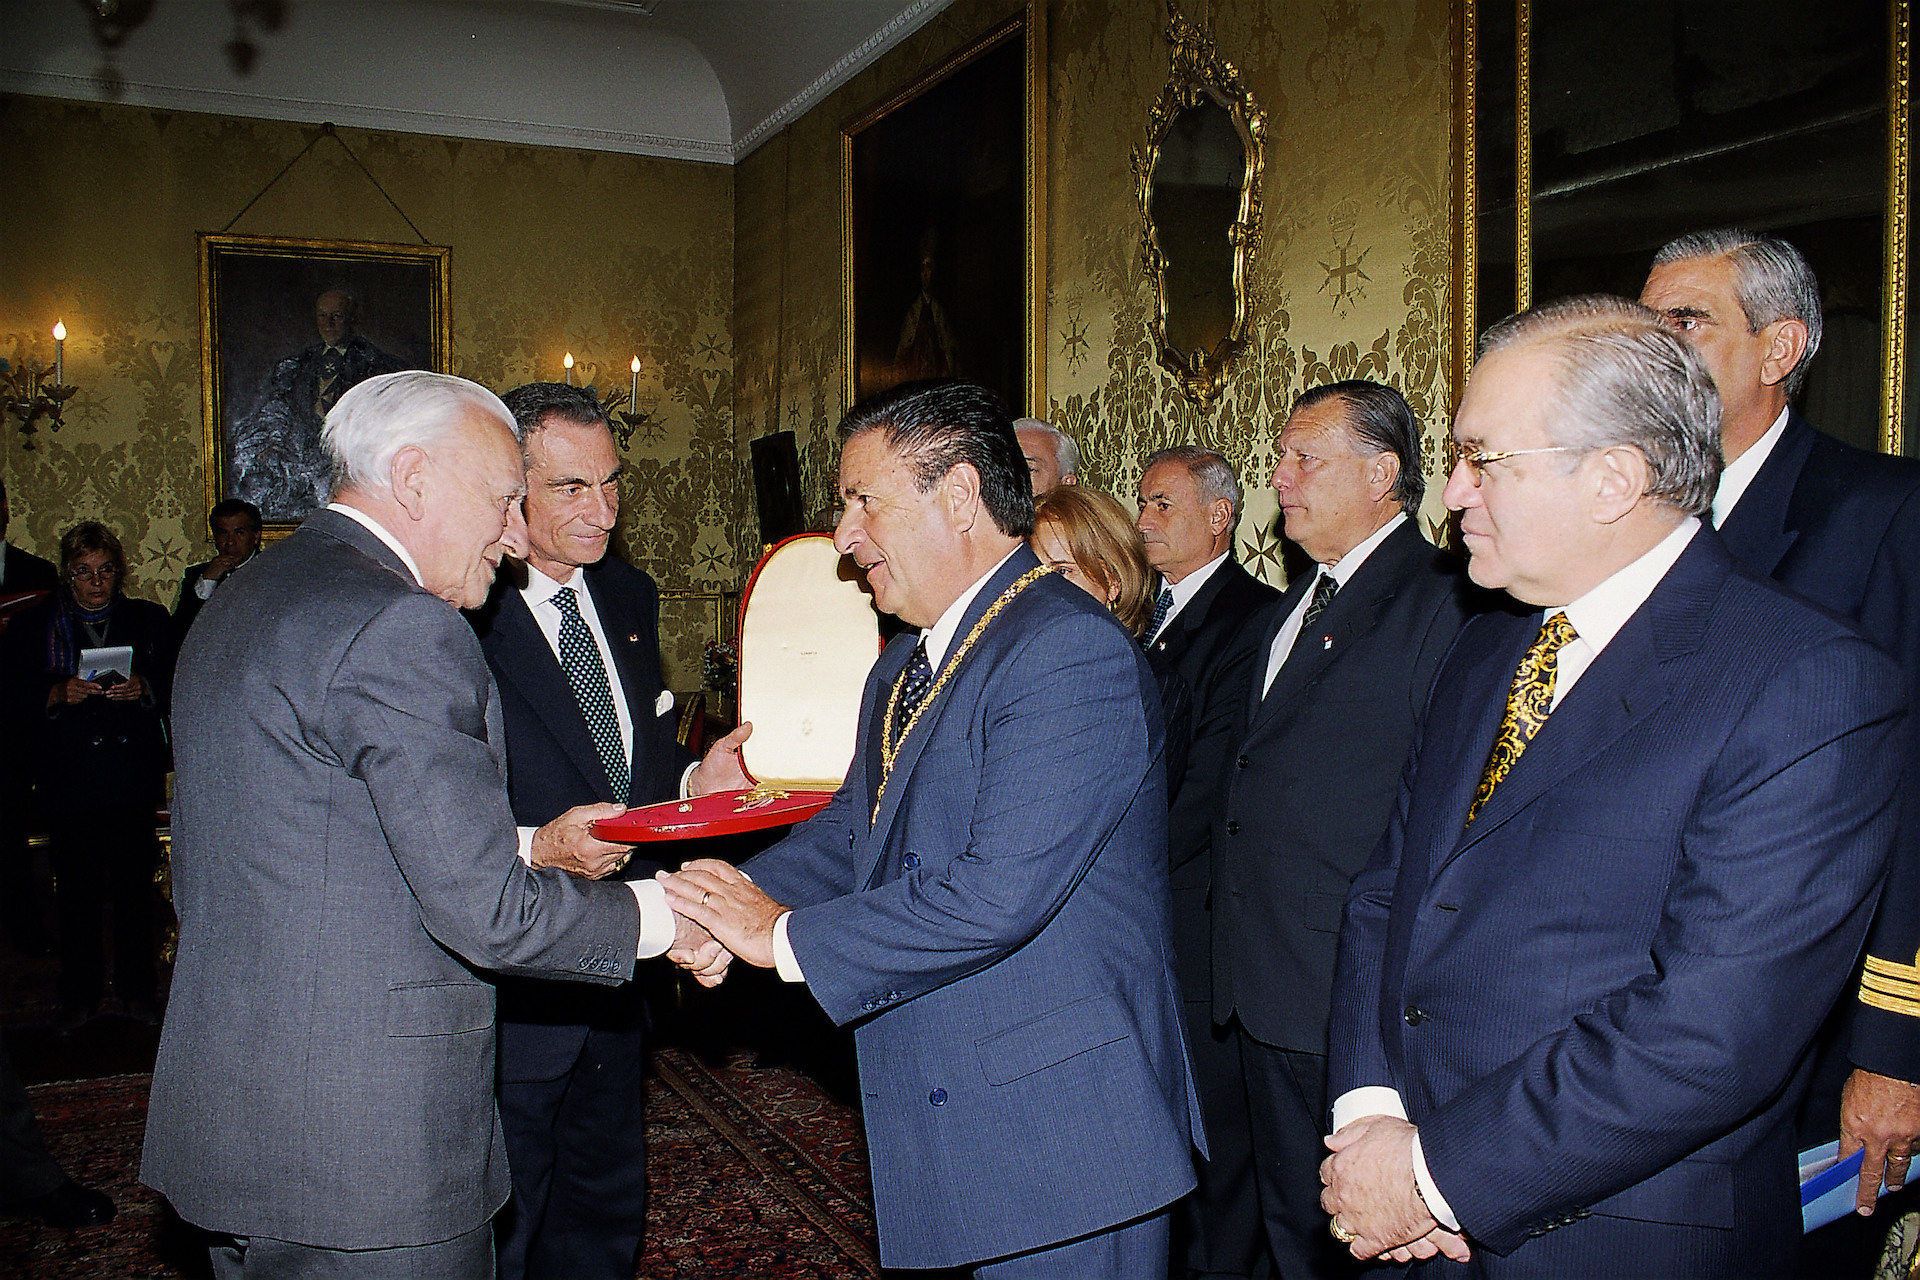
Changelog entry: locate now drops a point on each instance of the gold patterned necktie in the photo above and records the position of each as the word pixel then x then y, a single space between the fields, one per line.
pixel 1528 703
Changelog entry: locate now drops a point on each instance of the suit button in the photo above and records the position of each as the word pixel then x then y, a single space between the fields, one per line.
pixel 1243 762
pixel 938 1097
pixel 911 861
pixel 1233 828
pixel 1414 1015
pixel 849 840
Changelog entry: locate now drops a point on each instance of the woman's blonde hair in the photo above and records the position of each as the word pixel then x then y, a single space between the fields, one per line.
pixel 1106 545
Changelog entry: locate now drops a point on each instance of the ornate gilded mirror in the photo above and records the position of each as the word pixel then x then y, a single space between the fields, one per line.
pixel 1198 182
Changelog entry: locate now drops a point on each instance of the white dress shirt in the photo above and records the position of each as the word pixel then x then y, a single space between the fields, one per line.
pixel 1597 618
pixel 656 918
pixel 1738 474
pixel 1341 571
pixel 936 639
pixel 539 593
pixel 1186 589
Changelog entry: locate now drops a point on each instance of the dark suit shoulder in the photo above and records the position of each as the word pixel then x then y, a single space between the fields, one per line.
pixel 27 572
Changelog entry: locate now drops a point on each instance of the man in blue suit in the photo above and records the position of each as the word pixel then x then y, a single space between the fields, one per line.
pixel 572 637
pixel 1635 854
pixel 987 893
pixel 1841 526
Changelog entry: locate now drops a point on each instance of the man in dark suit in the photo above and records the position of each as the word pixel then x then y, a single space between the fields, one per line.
pixel 1189 507
pixel 986 895
pixel 235 525
pixel 1841 527
pixel 345 857
pixel 1638 846
pixel 1341 671
pixel 20 572
pixel 573 643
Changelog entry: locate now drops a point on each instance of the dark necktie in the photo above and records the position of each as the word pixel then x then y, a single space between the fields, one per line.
pixel 914 683
pixel 1324 590
pixel 1161 608
pixel 1528 703
pixel 580 658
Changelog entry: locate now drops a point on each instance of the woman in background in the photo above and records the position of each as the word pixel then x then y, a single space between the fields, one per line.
pixel 100 752
pixel 1090 539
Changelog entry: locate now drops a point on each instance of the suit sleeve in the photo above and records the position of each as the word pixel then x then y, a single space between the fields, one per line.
pixel 403 718
pixel 1063 753
pixel 1767 905
pixel 1886 1030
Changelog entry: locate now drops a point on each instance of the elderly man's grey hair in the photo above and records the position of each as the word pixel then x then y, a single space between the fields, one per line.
pixel 1620 377
pixel 377 418
pixel 1066 453
pixel 1771 279
pixel 1210 471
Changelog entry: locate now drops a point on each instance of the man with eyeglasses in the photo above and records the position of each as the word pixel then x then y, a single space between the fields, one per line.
pixel 1638 845
pixel 1841 526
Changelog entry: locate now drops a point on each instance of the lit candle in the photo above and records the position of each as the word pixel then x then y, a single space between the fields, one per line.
pixel 633 397
pixel 569 363
pixel 59 353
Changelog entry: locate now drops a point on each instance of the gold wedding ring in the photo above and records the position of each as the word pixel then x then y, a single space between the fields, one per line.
pixel 1340 1233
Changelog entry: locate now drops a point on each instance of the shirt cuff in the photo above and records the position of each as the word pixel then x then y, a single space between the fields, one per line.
pixel 657 927
pixel 686 781
pixel 1429 1192
pixel 526 835
pixel 203 587
pixel 1367 1100
pixel 785 963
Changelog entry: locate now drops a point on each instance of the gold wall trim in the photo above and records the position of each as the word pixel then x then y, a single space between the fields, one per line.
pixel 1893 288
pixel 1030 23
pixel 1466 202
pixel 1522 155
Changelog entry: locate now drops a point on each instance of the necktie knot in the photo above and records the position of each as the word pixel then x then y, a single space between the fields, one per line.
pixel 567 601
pixel 1161 608
pixel 1324 590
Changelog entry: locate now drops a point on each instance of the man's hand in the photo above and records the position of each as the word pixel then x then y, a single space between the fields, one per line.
pixel 1438 1240
pixel 1881 1114
pixel 132 689
pixel 568 843
pixel 219 567
pixel 695 950
pixel 721 900
pixel 720 770
pixel 1372 1195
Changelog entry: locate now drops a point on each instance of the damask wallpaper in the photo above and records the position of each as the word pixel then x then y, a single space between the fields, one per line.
pixel 608 256
pixel 1351 281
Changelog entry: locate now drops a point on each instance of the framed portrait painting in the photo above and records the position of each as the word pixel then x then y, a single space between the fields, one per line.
pixel 286 327
pixel 943 229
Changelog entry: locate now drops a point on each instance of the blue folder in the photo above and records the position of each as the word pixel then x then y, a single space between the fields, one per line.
pixel 1827 1184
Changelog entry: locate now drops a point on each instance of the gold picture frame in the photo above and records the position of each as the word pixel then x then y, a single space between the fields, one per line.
pixel 889 217
pixel 265 367
pixel 1197 76
pixel 1469 32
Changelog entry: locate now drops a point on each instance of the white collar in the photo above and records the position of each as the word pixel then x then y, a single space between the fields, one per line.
pixel 1189 587
pixel 1343 569
pixel 937 637
pixel 540 588
pixel 379 531
pixel 1738 474
pixel 1598 615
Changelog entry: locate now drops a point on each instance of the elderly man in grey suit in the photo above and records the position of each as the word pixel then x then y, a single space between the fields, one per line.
pixel 323 1099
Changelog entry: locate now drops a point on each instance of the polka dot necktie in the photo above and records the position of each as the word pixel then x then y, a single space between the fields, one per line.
pixel 914 683
pixel 580 657
pixel 1528 703
pixel 1161 608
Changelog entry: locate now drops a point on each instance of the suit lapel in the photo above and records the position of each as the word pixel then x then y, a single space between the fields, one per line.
pixel 528 664
pixel 1018 563
pixel 1259 705
pixel 1759 530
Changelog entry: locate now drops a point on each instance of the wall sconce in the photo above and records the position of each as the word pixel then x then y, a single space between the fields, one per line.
pixel 626 423
pixel 31 394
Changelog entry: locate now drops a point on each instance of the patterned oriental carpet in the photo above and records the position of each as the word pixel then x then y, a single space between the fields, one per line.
pixel 752 1172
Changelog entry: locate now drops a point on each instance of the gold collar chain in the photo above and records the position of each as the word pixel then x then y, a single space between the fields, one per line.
pixel 890 743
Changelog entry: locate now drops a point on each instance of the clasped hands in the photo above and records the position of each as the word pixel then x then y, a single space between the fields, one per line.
pixel 1373 1197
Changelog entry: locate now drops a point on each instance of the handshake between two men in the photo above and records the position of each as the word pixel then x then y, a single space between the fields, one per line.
pixel 718 913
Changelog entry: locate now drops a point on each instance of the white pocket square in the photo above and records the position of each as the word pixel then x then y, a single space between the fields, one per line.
pixel 663 703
